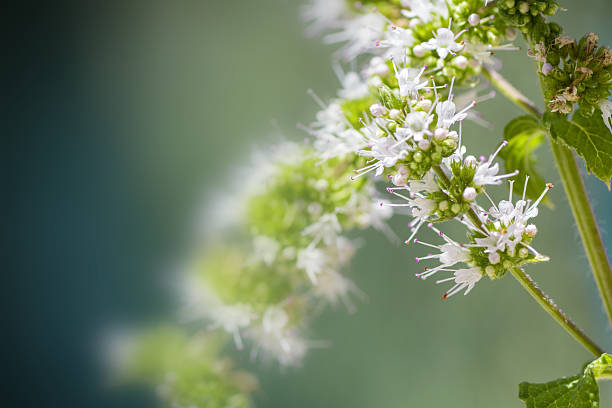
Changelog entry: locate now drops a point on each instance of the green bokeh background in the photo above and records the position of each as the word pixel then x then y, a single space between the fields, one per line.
pixel 176 94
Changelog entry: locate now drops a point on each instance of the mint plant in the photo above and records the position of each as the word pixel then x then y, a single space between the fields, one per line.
pixel 423 66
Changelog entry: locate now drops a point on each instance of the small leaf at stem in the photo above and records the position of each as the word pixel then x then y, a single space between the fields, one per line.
pixel 524 135
pixel 591 139
pixel 579 391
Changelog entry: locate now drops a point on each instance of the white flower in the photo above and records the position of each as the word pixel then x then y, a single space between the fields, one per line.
pixel 510 223
pixel 396 39
pixel 464 279
pixel 427 184
pixel 606 113
pixel 339 144
pixel 280 343
pixel 334 287
pixel 484 52
pixel 326 228
pixel 360 34
pixel 450 254
pixel 323 14
pixel 353 86
pixel 417 123
pixel 409 81
pixel 446 111
pixel 424 9
pixel 385 151
pixel 232 318
pixel 486 172
pixel 274 321
pixel 313 261
pixel 376 66
pixel 444 42
pixel 265 249
pixel 422 207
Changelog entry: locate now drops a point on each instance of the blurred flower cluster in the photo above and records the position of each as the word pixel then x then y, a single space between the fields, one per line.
pixel 259 275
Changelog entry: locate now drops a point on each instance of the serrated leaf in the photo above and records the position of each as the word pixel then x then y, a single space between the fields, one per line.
pixel 580 391
pixel 524 135
pixel 591 139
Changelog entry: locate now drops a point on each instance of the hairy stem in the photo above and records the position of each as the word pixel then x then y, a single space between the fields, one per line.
pixel 585 219
pixel 576 193
pixel 547 304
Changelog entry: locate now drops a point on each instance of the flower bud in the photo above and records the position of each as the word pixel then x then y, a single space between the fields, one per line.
pixel 469 194
pixel 289 253
pixel 395 113
pixel 523 7
pixel 531 230
pixel 321 185
pixel 375 81
pixel 474 19
pixel 511 34
pixel 418 50
pixel 440 134
pixel 453 135
pixel 315 208
pixel 399 180
pixel 460 62
pixel 424 104
pixel 424 144
pixel 470 161
pixel 523 252
pixel 547 68
pixel 494 258
pixel 378 110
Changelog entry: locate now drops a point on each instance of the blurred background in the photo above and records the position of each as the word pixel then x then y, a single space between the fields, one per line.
pixel 122 118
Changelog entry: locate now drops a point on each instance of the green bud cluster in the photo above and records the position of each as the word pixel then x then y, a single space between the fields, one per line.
pixel 580 72
pixel 482 24
pixel 185 370
pixel 528 17
pixel 462 178
pixel 226 270
pixel 281 209
pixel 447 206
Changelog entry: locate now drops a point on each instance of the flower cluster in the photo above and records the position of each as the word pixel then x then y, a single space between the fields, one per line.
pixel 263 275
pixel 529 16
pixel 501 242
pixel 262 286
pixel 185 369
pixel 576 72
pixel 453 37
pixel 406 122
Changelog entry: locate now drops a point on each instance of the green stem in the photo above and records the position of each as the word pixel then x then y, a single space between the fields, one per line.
pixel 576 193
pixel 511 92
pixel 547 304
pixel 585 219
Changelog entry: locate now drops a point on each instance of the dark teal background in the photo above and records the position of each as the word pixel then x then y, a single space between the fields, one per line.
pixel 122 118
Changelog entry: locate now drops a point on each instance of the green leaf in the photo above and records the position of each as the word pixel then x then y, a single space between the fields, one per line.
pixel 524 135
pixel 580 391
pixel 591 139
